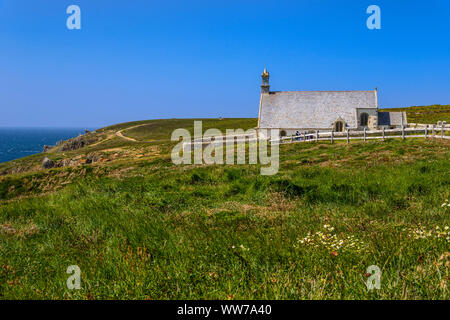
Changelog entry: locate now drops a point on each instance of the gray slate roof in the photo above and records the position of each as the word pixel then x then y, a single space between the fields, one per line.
pixel 312 109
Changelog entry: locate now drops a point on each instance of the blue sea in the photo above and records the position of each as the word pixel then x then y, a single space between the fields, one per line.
pixel 20 142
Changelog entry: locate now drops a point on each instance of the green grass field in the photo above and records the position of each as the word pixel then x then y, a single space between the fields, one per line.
pixel 140 227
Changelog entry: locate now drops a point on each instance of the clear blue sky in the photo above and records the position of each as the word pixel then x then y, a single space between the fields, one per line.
pixel 136 59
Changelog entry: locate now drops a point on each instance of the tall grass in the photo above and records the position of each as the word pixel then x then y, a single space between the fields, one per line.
pixel 226 232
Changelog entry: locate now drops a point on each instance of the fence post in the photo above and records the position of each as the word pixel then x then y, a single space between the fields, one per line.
pixel 442 132
pixel 304 137
pixel 426 132
pixel 365 139
pixel 383 133
pixel 332 137
pixel 348 137
pixel 317 135
pixel 403 132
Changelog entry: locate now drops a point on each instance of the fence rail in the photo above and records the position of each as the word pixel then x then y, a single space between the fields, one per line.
pixel 428 132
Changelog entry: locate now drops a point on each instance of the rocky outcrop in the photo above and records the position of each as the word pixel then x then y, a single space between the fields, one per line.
pixel 92 157
pixel 78 160
pixel 66 163
pixel 46 148
pixel 77 143
pixel 47 163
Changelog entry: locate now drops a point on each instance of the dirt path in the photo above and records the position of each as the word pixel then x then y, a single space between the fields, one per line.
pixel 120 134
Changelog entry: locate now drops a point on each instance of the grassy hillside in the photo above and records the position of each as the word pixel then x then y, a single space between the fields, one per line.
pixel 140 227
pixel 425 114
pixel 162 129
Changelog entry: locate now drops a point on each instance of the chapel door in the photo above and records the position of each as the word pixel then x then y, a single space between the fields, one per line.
pixel 339 126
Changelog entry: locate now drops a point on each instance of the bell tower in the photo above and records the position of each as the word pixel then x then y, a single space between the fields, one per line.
pixel 265 81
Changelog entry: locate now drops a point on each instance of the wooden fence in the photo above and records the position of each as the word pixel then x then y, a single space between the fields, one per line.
pixel 431 132
pixel 404 133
